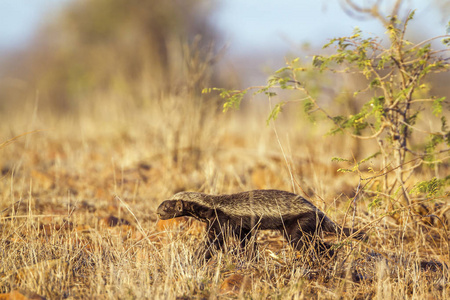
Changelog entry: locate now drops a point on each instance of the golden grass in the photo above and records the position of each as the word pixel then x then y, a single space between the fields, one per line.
pixel 78 200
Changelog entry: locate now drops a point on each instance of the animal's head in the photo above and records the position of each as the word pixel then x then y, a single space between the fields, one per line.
pixel 170 209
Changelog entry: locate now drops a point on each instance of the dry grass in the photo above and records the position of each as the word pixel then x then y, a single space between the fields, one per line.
pixel 78 201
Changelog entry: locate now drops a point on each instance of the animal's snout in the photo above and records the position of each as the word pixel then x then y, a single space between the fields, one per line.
pixel 163 210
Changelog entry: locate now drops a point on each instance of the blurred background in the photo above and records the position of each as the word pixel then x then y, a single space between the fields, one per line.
pixel 61 48
pixel 122 79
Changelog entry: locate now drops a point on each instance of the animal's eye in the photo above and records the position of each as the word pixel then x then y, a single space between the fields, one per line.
pixel 179 206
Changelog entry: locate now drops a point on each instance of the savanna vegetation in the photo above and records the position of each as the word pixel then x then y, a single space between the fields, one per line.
pixel 103 117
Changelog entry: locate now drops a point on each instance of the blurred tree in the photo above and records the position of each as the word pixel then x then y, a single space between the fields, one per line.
pixel 138 49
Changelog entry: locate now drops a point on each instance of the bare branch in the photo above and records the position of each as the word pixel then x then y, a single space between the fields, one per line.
pixel 373 11
pixel 421 100
pixel 393 169
pixel 376 134
pixel 429 40
pixel 396 8
pixel 420 130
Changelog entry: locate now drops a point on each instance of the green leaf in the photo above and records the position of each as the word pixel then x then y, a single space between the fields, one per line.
pixel 411 15
pixel 384 59
pixel 424 50
pixel 334 131
pixel 345 170
pixel 444 124
pixel 377 202
pixel 270 94
pixel 432 187
pixel 356 32
pixel 275 111
pixel 282 70
pixel 374 83
pixel 435 139
pixel 317 61
pixel 331 42
pixel 338 159
pixel 308 106
pixel 437 106
pixel 233 99
pixel 369 157
pixel 284 83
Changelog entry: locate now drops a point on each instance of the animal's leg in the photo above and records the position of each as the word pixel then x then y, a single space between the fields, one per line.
pixel 294 236
pixel 245 237
pixel 214 239
pixel 305 238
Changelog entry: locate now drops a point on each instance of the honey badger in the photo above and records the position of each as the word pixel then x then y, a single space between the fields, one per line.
pixel 294 216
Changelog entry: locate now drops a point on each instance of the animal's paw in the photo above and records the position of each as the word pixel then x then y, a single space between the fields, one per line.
pixel 204 253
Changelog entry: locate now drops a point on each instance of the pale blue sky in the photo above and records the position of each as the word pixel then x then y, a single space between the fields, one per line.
pixel 286 23
pixel 247 25
pixel 20 18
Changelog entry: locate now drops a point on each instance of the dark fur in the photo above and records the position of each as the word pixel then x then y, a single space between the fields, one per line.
pixel 242 213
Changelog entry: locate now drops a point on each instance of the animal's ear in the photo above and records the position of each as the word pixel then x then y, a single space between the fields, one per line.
pixel 179 206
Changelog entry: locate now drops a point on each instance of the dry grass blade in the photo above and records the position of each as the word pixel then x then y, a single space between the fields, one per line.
pixel 6 143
